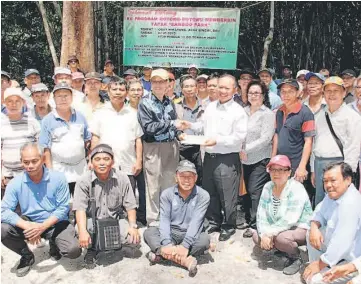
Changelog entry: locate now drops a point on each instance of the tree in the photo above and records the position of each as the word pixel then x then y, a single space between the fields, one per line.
pixel 78 34
pixel 269 37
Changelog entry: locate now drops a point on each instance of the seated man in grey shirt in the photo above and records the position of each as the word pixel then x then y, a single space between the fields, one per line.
pixel 113 195
pixel 182 210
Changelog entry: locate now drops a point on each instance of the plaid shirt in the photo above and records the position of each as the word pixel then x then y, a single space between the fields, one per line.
pixel 294 211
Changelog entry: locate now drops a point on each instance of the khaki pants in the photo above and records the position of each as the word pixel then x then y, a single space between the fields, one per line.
pixel 160 161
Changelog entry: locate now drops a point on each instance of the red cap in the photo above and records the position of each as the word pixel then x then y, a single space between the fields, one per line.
pixel 279 160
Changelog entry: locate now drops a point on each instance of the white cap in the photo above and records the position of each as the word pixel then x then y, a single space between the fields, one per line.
pixel 302 72
pixel 61 70
pixel 13 92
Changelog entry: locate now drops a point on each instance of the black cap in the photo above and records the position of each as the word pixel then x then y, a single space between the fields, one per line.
pixel 348 72
pixel 248 71
pixel 291 82
pixel 286 66
pixel 101 148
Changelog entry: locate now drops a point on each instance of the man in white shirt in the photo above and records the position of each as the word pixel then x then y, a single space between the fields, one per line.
pixel 224 124
pixel 346 125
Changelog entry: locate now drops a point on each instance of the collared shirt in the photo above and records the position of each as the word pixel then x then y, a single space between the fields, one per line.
pixel 346 124
pixel 78 97
pixel 226 123
pixel 349 98
pixel 205 102
pixel 87 109
pixel 182 215
pixel 189 114
pixel 35 114
pixel 66 142
pixel 147 85
pixel 294 210
pixel 238 99
pixel 15 134
pixel 292 131
pixel 111 196
pixel 157 119
pixel 274 100
pixel 122 141
pixel 354 106
pixel 306 102
pixel 38 201
pixel 258 144
pixel 341 219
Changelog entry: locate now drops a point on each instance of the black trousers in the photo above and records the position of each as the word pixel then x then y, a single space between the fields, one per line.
pixel 192 153
pixel 221 178
pixel 71 188
pixel 138 181
pixel 255 177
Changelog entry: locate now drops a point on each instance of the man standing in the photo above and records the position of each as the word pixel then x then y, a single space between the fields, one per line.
pixel 266 77
pixel 336 140
pixel 286 74
pixel 43 196
pixel 147 72
pixel 212 89
pixel 315 100
pixel 245 77
pixel 127 143
pixel 113 195
pixel 193 71
pixel 40 95
pixel 73 64
pixel 348 76
pixel 300 77
pixel 295 128
pixel 106 76
pixel 65 136
pixel 77 81
pixel 325 73
pixel 158 119
pixel 134 92
pixel 202 93
pixel 32 76
pixel 171 93
pixel 182 210
pixel 5 83
pixel 225 126
pixel 337 220
pixel 130 74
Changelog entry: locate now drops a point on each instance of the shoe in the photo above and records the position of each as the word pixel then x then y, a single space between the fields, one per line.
pixel 248 233
pixel 279 253
pixel 242 226
pixel 54 251
pixel 131 251
pixel 292 266
pixel 213 229
pixel 153 258
pixel 89 259
pixel 26 261
pixel 226 234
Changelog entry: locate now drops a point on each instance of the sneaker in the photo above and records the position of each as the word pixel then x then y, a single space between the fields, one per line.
pixel 292 266
pixel 226 234
pixel 89 259
pixel 26 261
pixel 248 233
pixel 153 258
pixel 54 251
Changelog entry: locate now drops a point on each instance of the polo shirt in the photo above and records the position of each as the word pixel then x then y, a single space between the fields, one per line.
pixel 306 102
pixel 189 114
pixel 66 142
pixel 349 98
pixel 111 196
pixel 38 201
pixel 119 130
pixel 34 113
pixel 86 108
pixel 147 85
pixel 292 130
pixel 78 97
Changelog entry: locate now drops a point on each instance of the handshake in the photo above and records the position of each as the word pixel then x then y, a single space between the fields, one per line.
pixel 182 124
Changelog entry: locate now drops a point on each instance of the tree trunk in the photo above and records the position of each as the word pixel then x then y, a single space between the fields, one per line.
pixel 269 37
pixel 78 34
pixel 99 41
pixel 48 34
pixel 105 30
pixel 57 8
pixel 118 42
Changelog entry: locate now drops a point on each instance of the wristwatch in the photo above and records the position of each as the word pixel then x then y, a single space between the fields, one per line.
pixel 133 225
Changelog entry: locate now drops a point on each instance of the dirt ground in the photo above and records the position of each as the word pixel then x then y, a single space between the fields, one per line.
pixel 234 261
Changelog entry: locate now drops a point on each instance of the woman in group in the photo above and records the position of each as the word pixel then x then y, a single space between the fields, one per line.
pixel 283 214
pixel 257 148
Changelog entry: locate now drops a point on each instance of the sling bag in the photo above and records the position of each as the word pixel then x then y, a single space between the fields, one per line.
pixel 337 140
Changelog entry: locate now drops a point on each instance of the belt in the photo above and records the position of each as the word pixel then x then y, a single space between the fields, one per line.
pixel 215 155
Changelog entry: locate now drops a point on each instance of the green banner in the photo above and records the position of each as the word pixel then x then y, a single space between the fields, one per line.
pixel 206 37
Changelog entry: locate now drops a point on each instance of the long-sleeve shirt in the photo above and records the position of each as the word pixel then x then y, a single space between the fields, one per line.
pixel 226 123
pixel 259 135
pixel 157 119
pixel 294 209
pixel 347 125
pixel 184 216
pixel 341 219
pixel 38 201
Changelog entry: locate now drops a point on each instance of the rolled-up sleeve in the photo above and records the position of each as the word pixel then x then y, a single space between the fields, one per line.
pixel 62 199
pixel 81 196
pixel 165 218
pixel 129 201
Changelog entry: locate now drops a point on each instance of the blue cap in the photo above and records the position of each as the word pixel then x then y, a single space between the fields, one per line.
pixel 318 75
pixel 31 71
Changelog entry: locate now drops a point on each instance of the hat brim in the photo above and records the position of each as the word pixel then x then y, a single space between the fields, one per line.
pixel 286 83
pixel 264 70
pixel 254 75
pixel 86 79
pixel 183 170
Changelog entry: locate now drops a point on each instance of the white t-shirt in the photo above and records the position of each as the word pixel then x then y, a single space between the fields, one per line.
pixel 119 130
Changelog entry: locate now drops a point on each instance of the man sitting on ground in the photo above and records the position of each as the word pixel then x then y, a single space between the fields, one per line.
pixel 182 210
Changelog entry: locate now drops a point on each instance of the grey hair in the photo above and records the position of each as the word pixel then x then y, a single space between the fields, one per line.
pixel 32 145
pixel 231 77
pixel 133 81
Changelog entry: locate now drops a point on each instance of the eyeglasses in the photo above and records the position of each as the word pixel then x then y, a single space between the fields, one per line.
pixel 254 94
pixel 73 61
pixel 278 170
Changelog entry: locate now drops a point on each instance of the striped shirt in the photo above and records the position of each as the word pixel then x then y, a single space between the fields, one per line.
pixel 15 134
pixel 276 203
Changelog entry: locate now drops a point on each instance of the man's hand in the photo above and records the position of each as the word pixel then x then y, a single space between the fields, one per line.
pixel 181 252
pixel 313 179
pixel 312 269
pixel 34 231
pixel 266 243
pixel 84 239
pixel 316 238
pixel 137 168
pixel 210 142
pixel 183 124
pixel 243 156
pixel 338 271
pixel 133 237
pixel 182 136
pixel 301 174
pixel 35 241
pixel 168 252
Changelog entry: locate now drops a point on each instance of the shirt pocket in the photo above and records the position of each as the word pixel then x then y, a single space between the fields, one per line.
pixel 294 130
pixel 113 200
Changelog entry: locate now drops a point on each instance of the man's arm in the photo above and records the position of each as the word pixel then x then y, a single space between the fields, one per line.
pixel 8 205
pixel 139 156
pixel 48 160
pixel 94 141
pixel 274 145
pixel 301 173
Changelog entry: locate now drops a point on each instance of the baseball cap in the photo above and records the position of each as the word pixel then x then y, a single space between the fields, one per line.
pixel 193 66
pixel 73 57
pixel 101 148
pixel 93 75
pixel 61 70
pixel 333 80
pixel 348 72
pixel 29 72
pixel 202 76
pixel 108 61
pixel 302 72
pixel 160 73
pixel 286 66
pixel 248 71
pixel 318 75
pixel 77 75
pixel 291 82
pixel 13 92
pixel 279 160
pixel 268 70
pixel 130 72
pixel 40 87
pixel 148 66
pixel 186 166
pixel 62 86
pixel 6 74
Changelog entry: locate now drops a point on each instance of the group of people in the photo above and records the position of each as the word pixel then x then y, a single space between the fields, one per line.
pixel 295 143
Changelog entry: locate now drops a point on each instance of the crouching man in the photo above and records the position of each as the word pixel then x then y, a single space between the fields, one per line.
pixel 113 193
pixel 182 209
pixel 43 196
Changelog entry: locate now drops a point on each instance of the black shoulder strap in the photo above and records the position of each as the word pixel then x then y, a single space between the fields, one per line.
pixel 338 141
pixel 93 206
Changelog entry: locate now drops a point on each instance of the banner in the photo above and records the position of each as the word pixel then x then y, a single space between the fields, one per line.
pixel 207 37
